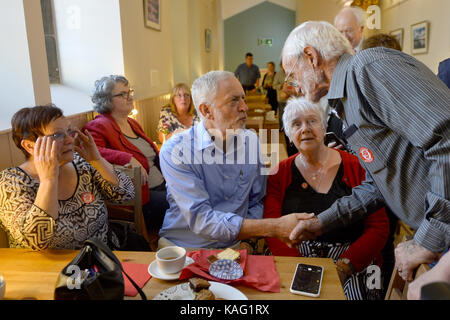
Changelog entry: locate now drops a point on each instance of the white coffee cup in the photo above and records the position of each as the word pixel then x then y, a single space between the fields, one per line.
pixel 2 287
pixel 171 259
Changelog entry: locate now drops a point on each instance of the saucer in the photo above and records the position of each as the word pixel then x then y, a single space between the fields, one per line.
pixel 226 269
pixel 155 272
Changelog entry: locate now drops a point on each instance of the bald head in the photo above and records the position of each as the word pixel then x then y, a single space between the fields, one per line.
pixel 350 22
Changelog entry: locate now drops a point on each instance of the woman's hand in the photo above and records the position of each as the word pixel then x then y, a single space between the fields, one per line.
pixel 86 147
pixel 46 159
pixel 144 174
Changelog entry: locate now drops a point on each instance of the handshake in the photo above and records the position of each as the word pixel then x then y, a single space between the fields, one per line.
pixel 297 227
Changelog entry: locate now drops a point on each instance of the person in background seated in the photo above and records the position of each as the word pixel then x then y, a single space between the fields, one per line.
pixel 267 84
pixel 311 181
pixel 350 22
pixel 178 115
pixel 122 141
pixel 56 198
pixel 213 173
pixel 248 74
pixel 381 40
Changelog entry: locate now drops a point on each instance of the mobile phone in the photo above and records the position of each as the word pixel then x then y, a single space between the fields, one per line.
pixel 307 280
pixel 332 137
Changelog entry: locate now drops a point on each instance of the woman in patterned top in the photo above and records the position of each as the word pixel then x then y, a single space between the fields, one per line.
pixel 55 199
pixel 178 115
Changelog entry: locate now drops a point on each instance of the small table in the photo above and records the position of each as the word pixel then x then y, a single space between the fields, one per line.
pixel 32 275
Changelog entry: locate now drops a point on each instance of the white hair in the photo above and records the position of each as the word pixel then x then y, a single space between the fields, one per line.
pixel 204 88
pixel 297 106
pixel 359 14
pixel 320 35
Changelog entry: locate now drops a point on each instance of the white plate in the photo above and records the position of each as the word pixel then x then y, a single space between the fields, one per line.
pixel 154 271
pixel 183 292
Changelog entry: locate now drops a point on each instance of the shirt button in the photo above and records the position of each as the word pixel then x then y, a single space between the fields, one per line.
pixel 227 177
pixel 226 198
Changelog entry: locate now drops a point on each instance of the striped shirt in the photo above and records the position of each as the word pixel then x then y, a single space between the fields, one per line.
pixel 401 113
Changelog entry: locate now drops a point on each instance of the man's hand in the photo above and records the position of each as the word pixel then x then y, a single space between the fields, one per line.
pixel 409 255
pixel 439 273
pixel 306 230
pixel 285 225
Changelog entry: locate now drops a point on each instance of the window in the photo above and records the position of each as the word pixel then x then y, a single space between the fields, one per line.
pixel 50 41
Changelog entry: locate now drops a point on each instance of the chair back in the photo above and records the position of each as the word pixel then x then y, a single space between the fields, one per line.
pixel 118 212
pixel 4 243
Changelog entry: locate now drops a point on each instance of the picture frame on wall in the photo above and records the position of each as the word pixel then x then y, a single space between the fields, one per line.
pixel 419 37
pixel 207 40
pixel 398 34
pixel 152 14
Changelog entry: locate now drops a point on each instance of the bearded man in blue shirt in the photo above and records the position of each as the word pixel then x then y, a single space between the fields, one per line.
pixel 215 178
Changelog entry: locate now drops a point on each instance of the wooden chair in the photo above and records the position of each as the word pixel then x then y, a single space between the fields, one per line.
pixel 122 211
pixel 4 243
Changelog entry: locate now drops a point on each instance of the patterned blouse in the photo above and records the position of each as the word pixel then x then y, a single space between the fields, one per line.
pixel 82 216
pixel 168 119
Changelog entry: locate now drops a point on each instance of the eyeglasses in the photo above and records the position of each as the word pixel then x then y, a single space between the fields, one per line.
pixel 289 78
pixel 125 95
pixel 61 135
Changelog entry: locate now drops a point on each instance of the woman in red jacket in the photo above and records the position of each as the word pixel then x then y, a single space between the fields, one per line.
pixel 122 141
pixel 311 181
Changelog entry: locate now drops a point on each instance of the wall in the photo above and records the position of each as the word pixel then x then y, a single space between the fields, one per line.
pixel 230 8
pixel 317 10
pixel 202 16
pixel 242 31
pixel 409 12
pixel 89 43
pixel 24 80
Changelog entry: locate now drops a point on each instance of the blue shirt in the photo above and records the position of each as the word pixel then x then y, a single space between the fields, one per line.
pixel 210 194
pixel 247 76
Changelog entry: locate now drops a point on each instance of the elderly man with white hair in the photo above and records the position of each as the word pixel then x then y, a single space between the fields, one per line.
pixel 215 185
pixel 350 22
pixel 396 114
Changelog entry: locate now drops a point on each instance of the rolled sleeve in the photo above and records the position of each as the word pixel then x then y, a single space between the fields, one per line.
pixel 433 235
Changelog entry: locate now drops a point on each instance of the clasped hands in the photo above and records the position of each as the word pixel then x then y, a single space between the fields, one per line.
pixel 297 227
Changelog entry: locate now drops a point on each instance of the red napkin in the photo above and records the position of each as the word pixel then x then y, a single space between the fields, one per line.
pixel 259 271
pixel 139 273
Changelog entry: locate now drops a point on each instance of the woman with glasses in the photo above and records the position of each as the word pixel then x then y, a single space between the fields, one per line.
pixel 55 199
pixel 122 141
pixel 178 115
pixel 311 181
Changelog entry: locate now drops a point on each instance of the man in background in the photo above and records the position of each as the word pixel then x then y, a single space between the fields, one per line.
pixel 248 74
pixel 350 22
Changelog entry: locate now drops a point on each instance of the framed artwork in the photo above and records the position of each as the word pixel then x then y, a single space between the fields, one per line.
pixel 207 40
pixel 398 34
pixel 419 37
pixel 152 14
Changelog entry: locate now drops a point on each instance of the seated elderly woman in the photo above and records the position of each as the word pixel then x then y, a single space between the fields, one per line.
pixel 311 181
pixel 56 198
pixel 122 141
pixel 178 115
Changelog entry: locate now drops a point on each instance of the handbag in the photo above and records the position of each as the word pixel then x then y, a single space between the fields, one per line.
pixel 94 274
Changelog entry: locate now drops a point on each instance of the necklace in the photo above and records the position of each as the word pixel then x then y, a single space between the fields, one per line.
pixel 318 173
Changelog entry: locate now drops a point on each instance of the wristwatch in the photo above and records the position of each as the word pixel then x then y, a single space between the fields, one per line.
pixel 346 262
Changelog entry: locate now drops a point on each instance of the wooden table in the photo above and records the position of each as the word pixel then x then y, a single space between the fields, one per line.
pixel 32 275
